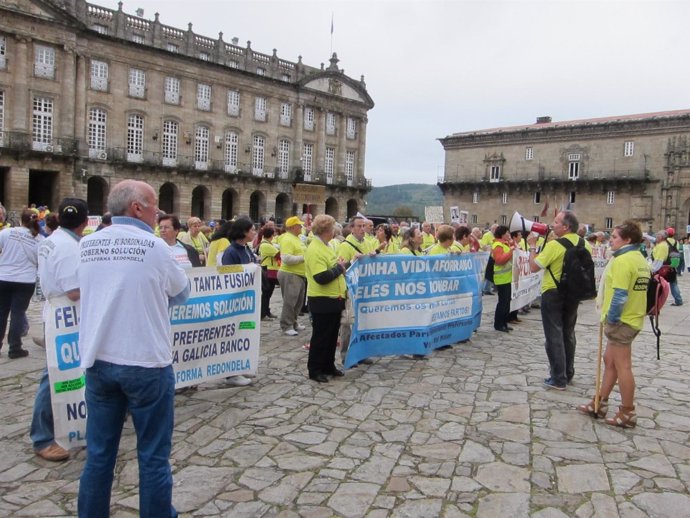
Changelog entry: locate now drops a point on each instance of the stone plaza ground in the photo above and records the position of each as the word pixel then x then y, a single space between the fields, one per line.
pixel 469 431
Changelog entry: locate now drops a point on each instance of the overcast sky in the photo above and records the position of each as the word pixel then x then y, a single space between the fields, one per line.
pixel 439 67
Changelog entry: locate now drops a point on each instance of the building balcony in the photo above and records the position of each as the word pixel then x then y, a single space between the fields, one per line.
pixel 22 142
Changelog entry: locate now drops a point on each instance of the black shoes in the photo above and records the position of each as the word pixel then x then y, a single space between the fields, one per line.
pixel 337 373
pixel 319 378
pixel 503 329
pixel 13 354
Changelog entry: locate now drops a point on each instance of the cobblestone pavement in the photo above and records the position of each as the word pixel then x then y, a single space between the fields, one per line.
pixel 469 431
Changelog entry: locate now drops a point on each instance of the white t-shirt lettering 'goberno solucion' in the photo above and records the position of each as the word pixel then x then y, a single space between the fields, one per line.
pixel 127 277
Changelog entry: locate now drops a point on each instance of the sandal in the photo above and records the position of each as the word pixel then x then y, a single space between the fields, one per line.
pixel 624 418
pixel 588 408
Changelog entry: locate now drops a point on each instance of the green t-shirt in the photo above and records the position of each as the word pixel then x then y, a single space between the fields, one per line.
pixel 552 256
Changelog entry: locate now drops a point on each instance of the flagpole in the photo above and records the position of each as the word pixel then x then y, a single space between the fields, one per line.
pixel 331 53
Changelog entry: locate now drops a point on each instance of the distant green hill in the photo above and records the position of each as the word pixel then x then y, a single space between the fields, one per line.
pixel 390 200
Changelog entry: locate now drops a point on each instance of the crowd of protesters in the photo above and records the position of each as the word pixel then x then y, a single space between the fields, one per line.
pixel 307 259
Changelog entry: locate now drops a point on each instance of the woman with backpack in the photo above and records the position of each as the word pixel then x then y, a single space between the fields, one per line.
pixel 622 315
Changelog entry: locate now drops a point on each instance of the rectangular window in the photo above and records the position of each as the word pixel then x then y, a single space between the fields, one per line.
pixel 574 157
pixel 571 197
pixel 535 218
pixel 330 123
pixel 350 167
pixel 529 153
pixel 232 141
pixel 137 83
pixel 537 197
pixel 284 158
pixel 629 148
pixel 138 38
pixel 44 62
pixel 233 103
pixel 351 131
pixel 171 47
pixel 573 170
pixel 260 109
pixel 96 135
pixel 260 71
pixel 204 56
pixel 172 90
pixel 475 197
pixel 171 131
pixel 3 52
pixel 258 155
pixel 504 198
pixel 2 116
pixel 100 28
pixel 135 138
pixel 285 114
pixel 203 97
pixel 308 161
pixel 474 219
pixel 608 223
pixel 201 148
pixel 309 118
pixel 42 124
pixel 610 198
pixel 285 77
pixel 329 163
pixel 234 63
pixel 504 220
pixel 495 173
pixel 99 75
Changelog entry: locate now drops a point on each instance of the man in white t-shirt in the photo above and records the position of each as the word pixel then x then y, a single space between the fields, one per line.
pixel 128 277
pixel 58 258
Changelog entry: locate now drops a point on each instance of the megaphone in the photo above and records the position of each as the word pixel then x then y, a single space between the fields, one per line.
pixel 518 223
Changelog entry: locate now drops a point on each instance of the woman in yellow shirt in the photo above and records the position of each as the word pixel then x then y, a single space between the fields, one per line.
pixel 412 242
pixel 219 242
pixel 269 256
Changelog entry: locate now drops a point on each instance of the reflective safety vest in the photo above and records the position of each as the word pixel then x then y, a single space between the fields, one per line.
pixel 503 273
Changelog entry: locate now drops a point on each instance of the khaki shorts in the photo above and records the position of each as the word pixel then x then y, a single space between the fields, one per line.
pixel 620 333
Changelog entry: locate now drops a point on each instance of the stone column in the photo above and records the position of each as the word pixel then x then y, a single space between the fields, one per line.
pixel 20 103
pixel 342 146
pixel 299 136
pixel 361 150
pixel 69 94
pixel 320 151
pixel 17 189
pixel 80 100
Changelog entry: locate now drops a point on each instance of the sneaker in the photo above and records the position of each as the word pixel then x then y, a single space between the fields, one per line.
pixel 238 381
pixel 550 384
pixel 13 354
pixel 53 453
pixel 674 304
pixel 291 332
pixel 300 327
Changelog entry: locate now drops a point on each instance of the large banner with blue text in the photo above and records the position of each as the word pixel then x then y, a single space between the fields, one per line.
pixel 215 334
pixel 412 305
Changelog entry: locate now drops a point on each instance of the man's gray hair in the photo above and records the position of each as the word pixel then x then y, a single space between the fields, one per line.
pixel 123 194
pixel 570 220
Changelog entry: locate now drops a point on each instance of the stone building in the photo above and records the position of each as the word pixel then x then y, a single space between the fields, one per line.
pixel 606 170
pixel 90 96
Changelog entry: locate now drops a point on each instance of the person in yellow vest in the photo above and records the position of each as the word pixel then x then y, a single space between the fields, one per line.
pixel 291 276
pixel 412 242
pixel 461 245
pixel 369 236
pixel 502 253
pixel 269 257
pixel 326 289
pixel 194 237
pixel 384 240
pixel 485 244
pixel 445 237
pixel 428 239
pixel 622 314
pixel 396 235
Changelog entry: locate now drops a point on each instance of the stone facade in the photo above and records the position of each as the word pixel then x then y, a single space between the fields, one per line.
pixel 606 170
pixel 91 96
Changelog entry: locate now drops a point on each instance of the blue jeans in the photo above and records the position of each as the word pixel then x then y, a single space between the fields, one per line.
pixel 675 293
pixel 559 318
pixel 42 430
pixel 149 395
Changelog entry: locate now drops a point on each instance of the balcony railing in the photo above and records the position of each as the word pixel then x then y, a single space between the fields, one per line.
pixel 21 141
pixel 639 174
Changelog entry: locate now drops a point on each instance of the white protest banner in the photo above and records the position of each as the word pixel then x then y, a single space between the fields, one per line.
pixel 686 256
pixel 526 286
pixel 66 377
pixel 433 214
pixel 455 214
pixel 215 334
pixel 464 217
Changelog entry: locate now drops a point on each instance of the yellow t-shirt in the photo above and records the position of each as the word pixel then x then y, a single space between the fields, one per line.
pixel 292 245
pixel 552 256
pixel 217 246
pixel 630 272
pixel 347 251
pixel 391 248
pixel 660 251
pixel 459 248
pixel 487 239
pixel 268 253
pixel 321 257
pixel 407 251
pixel 437 249
pixel 428 240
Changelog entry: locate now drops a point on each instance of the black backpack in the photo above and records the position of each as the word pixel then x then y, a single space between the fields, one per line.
pixel 577 280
